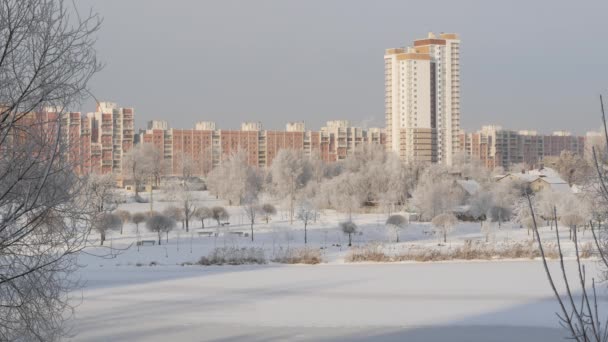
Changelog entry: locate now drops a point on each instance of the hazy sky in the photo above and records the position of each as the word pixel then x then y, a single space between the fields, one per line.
pixel 524 64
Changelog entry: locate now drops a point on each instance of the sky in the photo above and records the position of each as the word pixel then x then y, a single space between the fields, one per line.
pixel 524 64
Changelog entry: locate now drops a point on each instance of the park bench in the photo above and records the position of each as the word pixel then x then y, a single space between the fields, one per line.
pixel 239 233
pixel 224 224
pixel 144 242
pixel 206 233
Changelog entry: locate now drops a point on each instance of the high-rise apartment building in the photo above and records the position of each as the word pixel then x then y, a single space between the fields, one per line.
pixel 422 99
pixel 113 129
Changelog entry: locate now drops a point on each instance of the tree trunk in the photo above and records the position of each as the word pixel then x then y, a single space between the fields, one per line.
pixel 350 240
pixel 103 237
pixel 159 243
pixel 203 223
pixel 305 234
pixel 252 231
pixel 445 236
pixel 167 236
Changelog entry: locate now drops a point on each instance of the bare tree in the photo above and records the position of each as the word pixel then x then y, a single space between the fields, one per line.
pixel 252 210
pixel 397 222
pixel 443 224
pixel 581 317
pixel 47 57
pixel 349 228
pixel 181 193
pixel 268 210
pixel 137 219
pixel 160 224
pixel 219 214
pixel 306 212
pixel 203 213
pixel 125 217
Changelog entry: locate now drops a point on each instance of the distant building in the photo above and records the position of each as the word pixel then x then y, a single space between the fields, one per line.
pixel 422 99
pixel 158 124
pixel 498 147
pixel 207 146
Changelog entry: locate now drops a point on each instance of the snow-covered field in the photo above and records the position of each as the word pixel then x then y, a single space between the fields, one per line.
pixel 125 299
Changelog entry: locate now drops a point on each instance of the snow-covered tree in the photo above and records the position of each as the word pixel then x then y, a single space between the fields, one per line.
pixel 436 193
pixel 397 222
pixel 219 214
pixel 480 204
pixel 306 212
pixel 443 224
pixel 174 213
pixel 349 228
pixel 160 224
pixel 234 179
pixel 290 171
pixel 101 190
pixel 125 217
pixel 182 194
pixel 268 210
pixel 137 219
pixel 105 222
pixel 203 213
pixel 252 210
pixel 347 192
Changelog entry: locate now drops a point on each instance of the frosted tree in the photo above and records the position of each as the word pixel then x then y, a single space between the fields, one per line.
pixel 203 213
pixel 505 193
pixel 443 224
pixel 219 214
pixel 235 179
pixel 182 194
pixel 573 168
pixel 396 223
pixel 125 217
pixel 544 202
pixel 480 204
pixel 435 193
pixel 290 171
pixel 349 228
pixel 306 212
pixel 160 224
pixel 252 210
pixel 138 218
pixel 347 192
pixel 101 190
pixel 175 213
pixel 268 211
pixel 104 223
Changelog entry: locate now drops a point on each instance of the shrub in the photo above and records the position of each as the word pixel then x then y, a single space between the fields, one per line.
pixel 308 256
pixel 234 256
pixel 469 251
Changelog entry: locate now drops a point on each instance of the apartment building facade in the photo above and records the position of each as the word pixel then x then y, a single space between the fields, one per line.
pixel 205 147
pixel 422 99
pixel 498 147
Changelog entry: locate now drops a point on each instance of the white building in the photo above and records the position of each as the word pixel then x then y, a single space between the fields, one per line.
pixel 251 126
pixel 422 99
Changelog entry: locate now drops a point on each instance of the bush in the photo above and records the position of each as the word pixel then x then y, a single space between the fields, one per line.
pixel 234 256
pixel 308 256
pixel 469 251
pixel 139 199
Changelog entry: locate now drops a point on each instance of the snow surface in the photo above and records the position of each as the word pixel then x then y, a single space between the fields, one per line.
pixel 125 299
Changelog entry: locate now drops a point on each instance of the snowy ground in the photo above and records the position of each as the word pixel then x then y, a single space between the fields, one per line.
pixel 333 301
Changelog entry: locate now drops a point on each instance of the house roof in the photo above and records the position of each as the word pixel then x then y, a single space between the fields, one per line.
pixel 470 186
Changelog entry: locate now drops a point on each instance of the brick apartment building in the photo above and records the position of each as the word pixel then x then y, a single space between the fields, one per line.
pixel 205 146
pixel 497 147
